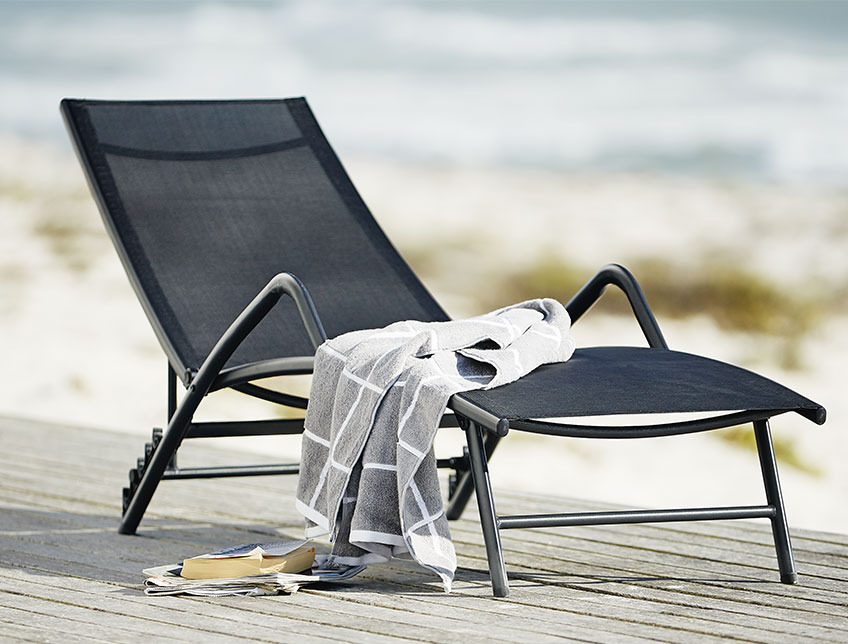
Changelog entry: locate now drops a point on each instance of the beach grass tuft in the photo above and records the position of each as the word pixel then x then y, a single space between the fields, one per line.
pixel 785 449
pixel 733 297
pixel 67 240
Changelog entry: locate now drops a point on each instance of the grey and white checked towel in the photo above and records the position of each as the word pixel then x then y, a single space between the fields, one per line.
pixel 368 472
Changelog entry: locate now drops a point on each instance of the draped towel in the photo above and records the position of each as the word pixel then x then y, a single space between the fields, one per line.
pixel 368 473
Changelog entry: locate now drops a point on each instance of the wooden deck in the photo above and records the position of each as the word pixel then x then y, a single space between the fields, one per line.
pixel 67 576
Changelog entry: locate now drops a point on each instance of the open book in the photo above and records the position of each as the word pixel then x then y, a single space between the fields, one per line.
pixel 171 580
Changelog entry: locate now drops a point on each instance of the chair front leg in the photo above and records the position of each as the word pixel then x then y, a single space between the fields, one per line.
pixel 486 506
pixel 779 526
pixel 461 494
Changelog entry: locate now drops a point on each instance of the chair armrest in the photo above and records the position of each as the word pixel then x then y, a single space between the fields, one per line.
pixel 178 426
pixel 281 284
pixel 619 276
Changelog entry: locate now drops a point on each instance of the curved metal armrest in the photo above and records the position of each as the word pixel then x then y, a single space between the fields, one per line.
pixel 281 284
pixel 178 426
pixel 619 276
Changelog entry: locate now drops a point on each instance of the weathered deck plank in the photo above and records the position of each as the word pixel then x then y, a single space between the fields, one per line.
pixel 66 575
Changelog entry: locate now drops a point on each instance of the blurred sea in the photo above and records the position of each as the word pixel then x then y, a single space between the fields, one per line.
pixel 753 90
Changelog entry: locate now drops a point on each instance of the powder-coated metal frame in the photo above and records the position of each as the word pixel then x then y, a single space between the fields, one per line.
pixel 473 471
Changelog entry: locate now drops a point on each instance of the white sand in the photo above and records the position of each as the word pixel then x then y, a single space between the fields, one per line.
pixel 72 330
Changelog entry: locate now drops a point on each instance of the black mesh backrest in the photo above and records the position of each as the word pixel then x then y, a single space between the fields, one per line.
pixel 207 200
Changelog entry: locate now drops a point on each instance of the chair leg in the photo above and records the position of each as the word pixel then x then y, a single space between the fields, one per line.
pixel 461 494
pixel 160 458
pixel 779 526
pixel 486 505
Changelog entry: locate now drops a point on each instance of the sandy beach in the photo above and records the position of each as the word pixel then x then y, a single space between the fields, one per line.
pixel 72 329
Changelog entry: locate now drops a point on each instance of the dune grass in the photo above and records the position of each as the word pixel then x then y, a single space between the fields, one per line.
pixel 785 449
pixel 62 217
pixel 735 298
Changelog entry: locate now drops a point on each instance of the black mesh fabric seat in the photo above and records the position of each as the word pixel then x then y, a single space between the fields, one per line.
pixel 247 246
pixel 602 381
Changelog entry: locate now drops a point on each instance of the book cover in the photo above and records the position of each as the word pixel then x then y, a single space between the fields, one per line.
pixel 251 559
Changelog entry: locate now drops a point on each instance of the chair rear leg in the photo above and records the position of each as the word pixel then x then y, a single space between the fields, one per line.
pixel 779 526
pixel 159 461
pixel 486 505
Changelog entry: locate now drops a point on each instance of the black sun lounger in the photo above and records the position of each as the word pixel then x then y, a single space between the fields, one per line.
pixel 218 209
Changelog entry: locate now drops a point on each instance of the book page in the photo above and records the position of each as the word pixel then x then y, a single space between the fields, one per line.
pixel 273 549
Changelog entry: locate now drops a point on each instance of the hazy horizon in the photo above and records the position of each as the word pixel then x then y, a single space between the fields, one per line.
pixel 741 90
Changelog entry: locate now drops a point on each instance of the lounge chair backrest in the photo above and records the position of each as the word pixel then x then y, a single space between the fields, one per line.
pixel 207 200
